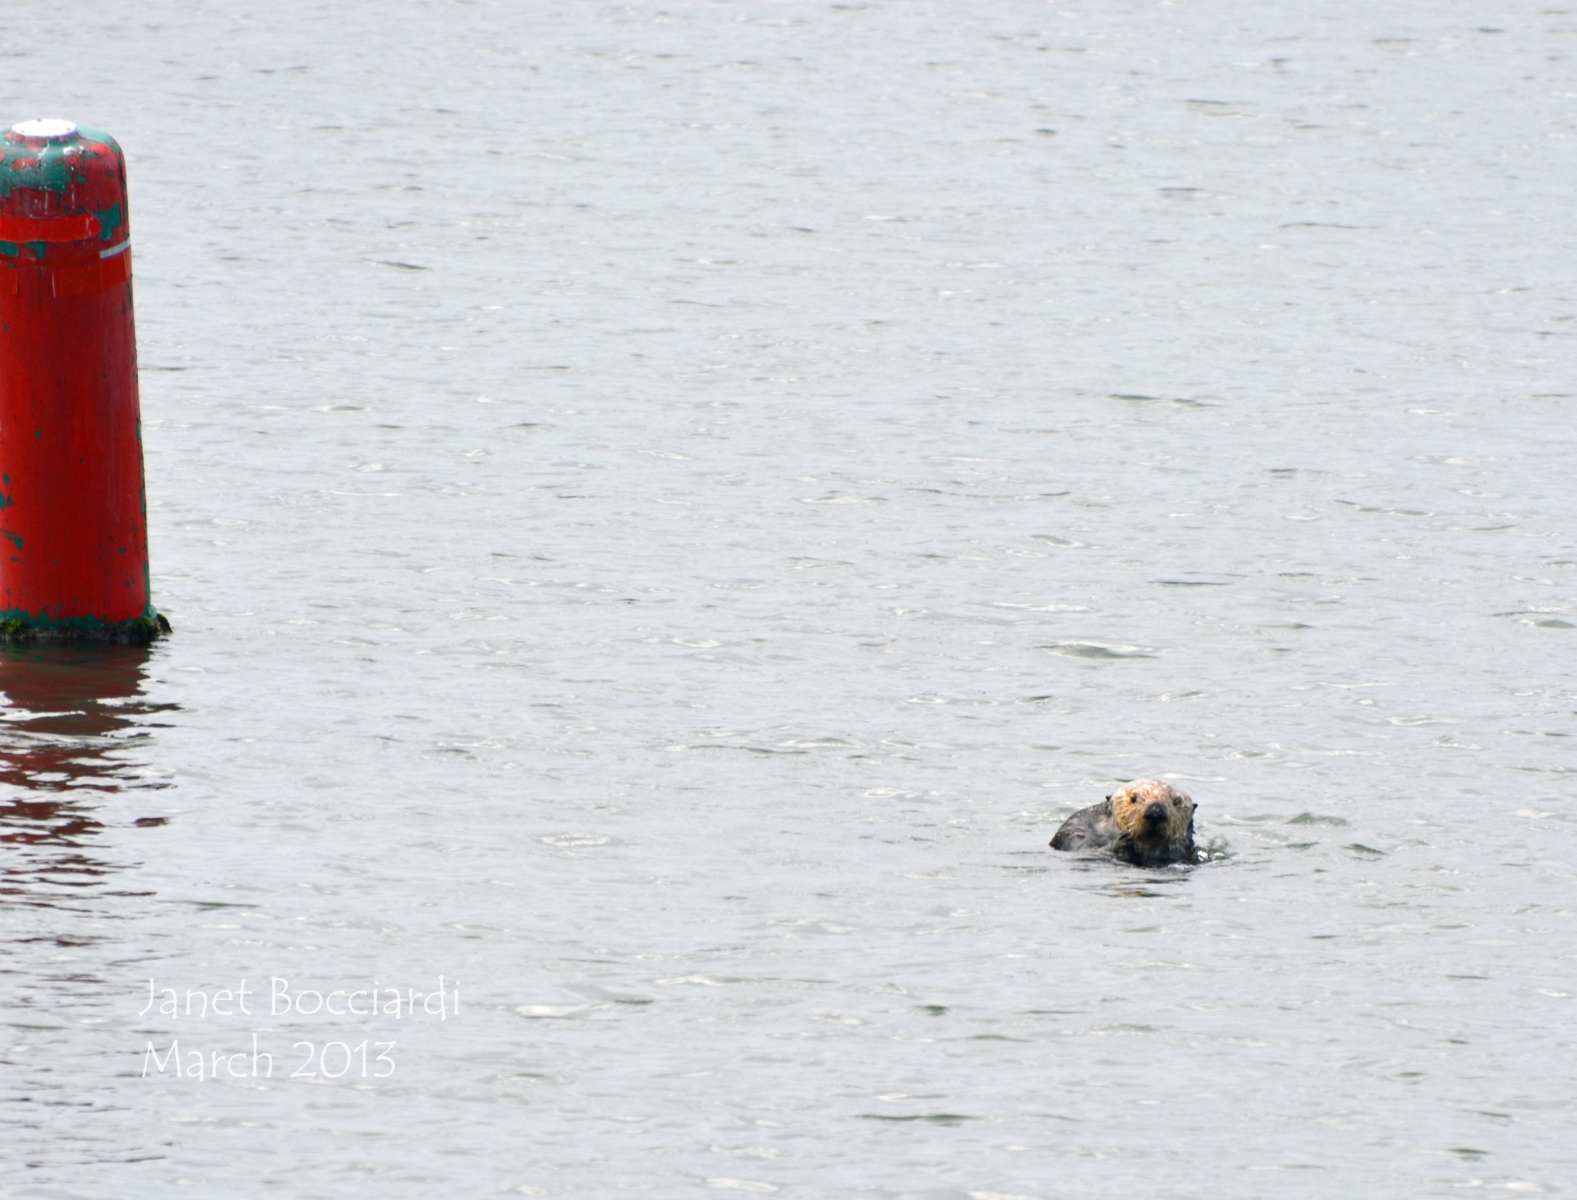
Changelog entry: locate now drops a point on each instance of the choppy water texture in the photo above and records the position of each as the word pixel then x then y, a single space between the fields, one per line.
pixel 664 509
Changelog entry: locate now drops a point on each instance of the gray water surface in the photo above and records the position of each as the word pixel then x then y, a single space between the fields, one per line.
pixel 665 509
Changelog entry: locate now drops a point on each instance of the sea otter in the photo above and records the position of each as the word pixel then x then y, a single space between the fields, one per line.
pixel 1147 823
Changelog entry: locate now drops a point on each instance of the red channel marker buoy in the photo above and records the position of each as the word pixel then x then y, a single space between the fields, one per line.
pixel 73 516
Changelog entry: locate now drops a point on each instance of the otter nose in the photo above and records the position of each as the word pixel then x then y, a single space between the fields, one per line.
pixel 1156 814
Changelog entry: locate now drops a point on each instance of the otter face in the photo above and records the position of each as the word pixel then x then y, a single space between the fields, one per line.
pixel 1152 812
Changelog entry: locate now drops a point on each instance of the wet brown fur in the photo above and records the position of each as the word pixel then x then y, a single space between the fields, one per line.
pixel 1126 826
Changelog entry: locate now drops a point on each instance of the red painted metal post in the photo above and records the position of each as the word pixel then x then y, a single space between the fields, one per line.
pixel 73 517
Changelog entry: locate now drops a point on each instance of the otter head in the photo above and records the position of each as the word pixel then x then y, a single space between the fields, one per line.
pixel 1152 813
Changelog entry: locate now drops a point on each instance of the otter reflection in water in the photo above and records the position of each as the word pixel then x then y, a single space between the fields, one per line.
pixel 1147 823
pixel 69 717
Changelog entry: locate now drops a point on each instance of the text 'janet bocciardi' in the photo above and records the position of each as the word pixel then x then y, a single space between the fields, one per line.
pixel 338 1059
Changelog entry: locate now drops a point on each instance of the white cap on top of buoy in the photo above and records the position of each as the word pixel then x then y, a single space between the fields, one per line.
pixel 50 129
